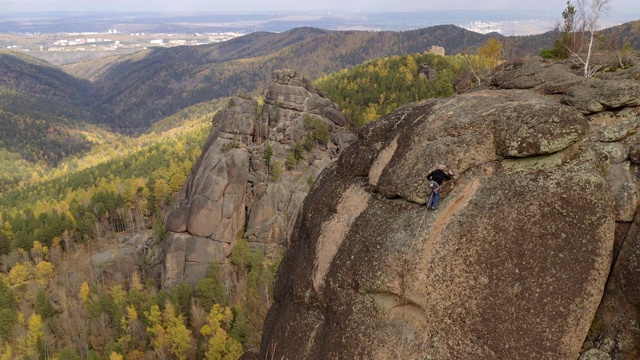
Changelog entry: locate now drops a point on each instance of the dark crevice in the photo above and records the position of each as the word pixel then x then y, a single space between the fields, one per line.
pixel 616 252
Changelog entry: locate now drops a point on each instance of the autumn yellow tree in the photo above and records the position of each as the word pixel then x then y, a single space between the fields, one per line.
pixel 219 345
pixel 7 352
pixel 118 294
pixel 85 291
pixel 127 327
pixel 136 283
pixel 371 113
pixel 179 335
pixel 412 65
pixel 492 51
pixel 32 340
pixel 156 331
pixel 162 190
pixel 177 181
pixel 44 271
pixel 38 252
pixel 18 275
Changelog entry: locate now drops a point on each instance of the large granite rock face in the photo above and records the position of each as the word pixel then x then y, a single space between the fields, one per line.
pixel 513 264
pixel 232 192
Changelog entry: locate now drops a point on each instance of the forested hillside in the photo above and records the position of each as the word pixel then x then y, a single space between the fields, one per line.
pixel 628 33
pixel 114 186
pixel 146 87
pixel 149 86
pixel 43 110
pixel 52 301
pixel 135 91
pixel 376 87
pixel 120 183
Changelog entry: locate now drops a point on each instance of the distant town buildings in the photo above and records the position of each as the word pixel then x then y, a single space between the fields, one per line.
pixel 223 36
pixel 133 40
pixel 484 27
pixel 509 27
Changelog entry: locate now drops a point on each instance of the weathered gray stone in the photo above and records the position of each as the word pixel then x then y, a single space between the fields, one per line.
pixel 634 151
pixel 205 215
pixel 517 245
pixel 232 192
pixel 608 127
pixel 624 191
pixel 621 299
pixel 177 219
pixel 229 205
pixel 187 257
pixel 296 82
pixel 295 131
pixel 594 95
pixel 194 272
pixel 204 250
pixel 610 153
pixel 289 97
pixel 500 135
pixel 239 119
pixel 174 250
pixel 336 116
pixel 628 268
pixel 263 209
pixel 428 72
pixel 315 103
pixel 549 76
pixel 343 139
pixel 535 127
pixel 258 163
pixel 588 95
pixel 523 240
pixel 128 257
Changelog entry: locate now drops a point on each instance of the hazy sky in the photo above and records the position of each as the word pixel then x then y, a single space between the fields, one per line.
pixel 623 9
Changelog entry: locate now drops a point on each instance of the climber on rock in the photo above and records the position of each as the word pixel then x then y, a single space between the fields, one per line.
pixel 436 178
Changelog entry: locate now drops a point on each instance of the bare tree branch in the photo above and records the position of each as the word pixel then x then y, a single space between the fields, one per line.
pixel 589 13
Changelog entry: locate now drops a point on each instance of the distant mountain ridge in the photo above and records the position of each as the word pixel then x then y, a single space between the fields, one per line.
pixel 243 64
pixel 139 90
pixel 133 92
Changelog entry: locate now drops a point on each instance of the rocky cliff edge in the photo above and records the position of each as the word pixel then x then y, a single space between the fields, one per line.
pixel 532 254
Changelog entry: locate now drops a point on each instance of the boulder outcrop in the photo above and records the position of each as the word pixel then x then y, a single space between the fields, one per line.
pixel 253 175
pixel 131 254
pixel 515 262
